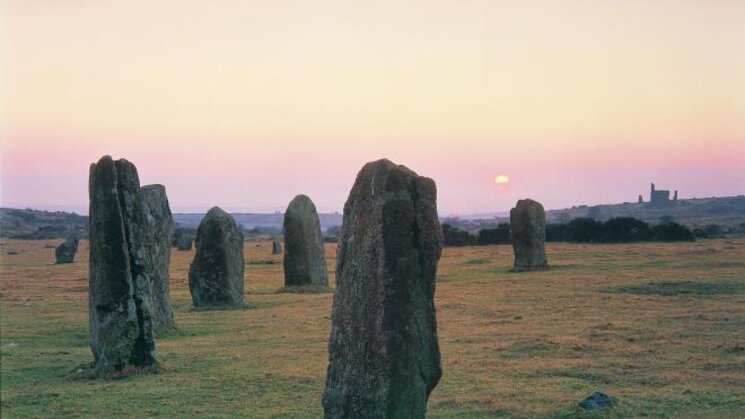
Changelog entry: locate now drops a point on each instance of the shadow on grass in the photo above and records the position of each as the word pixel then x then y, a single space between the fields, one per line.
pixel 88 371
pixel 252 305
pixel 676 288
pixel 263 262
pixel 305 289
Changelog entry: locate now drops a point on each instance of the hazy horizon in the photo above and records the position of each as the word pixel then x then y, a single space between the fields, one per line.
pixel 245 105
pixel 239 210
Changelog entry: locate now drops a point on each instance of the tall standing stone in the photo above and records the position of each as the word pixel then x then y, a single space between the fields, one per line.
pixel 305 258
pixel 528 229
pixel 384 357
pixel 276 248
pixel 65 252
pixel 119 270
pixel 216 274
pixel 160 225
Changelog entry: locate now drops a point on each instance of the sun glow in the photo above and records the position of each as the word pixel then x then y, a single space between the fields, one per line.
pixel 502 180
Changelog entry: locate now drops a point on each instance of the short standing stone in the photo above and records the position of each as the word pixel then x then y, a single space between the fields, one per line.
pixel 159 231
pixel 528 229
pixel 216 274
pixel 65 252
pixel 597 401
pixel 119 269
pixel 183 241
pixel 305 259
pixel 276 248
pixel 384 357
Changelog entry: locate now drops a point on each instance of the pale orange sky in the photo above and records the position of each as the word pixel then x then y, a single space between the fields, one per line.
pixel 245 104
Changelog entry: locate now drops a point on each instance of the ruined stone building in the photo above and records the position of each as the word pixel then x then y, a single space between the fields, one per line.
pixel 659 197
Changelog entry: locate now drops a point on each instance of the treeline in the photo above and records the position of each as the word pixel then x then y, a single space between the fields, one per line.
pixel 579 230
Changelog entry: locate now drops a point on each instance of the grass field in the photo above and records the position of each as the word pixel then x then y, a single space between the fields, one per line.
pixel 660 327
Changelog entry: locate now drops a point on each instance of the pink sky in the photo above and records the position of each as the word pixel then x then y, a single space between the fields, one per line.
pixel 244 105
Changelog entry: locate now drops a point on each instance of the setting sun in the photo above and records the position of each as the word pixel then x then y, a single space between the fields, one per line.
pixel 501 180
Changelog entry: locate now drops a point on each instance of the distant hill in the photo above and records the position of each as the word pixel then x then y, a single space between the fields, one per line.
pixel 36 224
pixel 251 221
pixel 726 212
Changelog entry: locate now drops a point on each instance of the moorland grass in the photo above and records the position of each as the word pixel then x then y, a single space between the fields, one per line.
pixel 657 326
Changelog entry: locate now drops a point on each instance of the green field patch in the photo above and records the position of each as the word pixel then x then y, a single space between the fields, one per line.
pixel 249 305
pixel 532 348
pixel 470 408
pixel 582 374
pixel 734 350
pixel 477 261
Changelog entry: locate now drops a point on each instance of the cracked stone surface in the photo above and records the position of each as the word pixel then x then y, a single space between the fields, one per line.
pixel 120 269
pixel 159 233
pixel 384 357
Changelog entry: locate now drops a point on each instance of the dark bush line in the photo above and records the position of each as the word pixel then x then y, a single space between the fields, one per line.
pixel 617 230
pixel 579 230
pixel 456 237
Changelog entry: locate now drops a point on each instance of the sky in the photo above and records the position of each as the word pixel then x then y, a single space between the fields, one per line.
pixel 244 104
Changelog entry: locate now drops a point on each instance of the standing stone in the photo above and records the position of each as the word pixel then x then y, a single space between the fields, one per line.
pixel 384 357
pixel 276 248
pixel 305 258
pixel 183 242
pixel 528 227
pixel 159 222
pixel 120 268
pixel 65 252
pixel 216 274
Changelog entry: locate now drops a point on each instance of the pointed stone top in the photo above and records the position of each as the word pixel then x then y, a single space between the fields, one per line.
pixel 217 212
pixel 154 187
pixel 385 165
pixel 301 202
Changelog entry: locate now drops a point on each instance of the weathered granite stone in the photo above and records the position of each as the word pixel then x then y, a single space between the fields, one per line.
pixel 305 258
pixel 119 270
pixel 183 241
pixel 65 252
pixel 276 248
pixel 384 357
pixel 216 274
pixel 159 223
pixel 528 230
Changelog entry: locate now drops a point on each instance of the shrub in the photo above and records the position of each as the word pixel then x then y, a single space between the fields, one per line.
pixel 626 229
pixel 455 237
pixel 499 235
pixel 557 232
pixel 584 229
pixel 670 232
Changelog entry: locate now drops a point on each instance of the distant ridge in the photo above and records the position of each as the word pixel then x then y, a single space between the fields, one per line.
pixel 254 220
pixel 728 212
